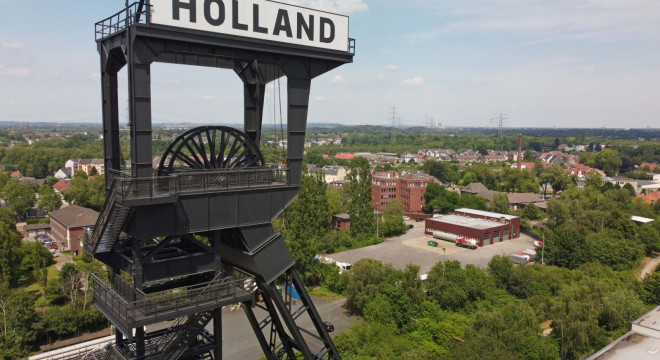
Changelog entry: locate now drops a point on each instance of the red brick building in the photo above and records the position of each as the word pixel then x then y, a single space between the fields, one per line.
pixel 67 225
pixel 409 188
pixel 485 227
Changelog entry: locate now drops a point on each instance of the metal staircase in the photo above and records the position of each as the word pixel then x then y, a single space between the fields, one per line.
pixel 109 224
pixel 186 334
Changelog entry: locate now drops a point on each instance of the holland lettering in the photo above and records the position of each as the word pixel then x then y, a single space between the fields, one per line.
pixel 215 12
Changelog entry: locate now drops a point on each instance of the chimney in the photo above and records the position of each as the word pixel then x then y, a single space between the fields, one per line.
pixel 519 150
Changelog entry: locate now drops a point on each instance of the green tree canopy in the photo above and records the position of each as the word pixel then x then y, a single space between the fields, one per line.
pixel 49 200
pixel 360 210
pixel 19 197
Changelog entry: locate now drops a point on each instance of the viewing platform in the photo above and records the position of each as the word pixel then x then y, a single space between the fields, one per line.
pixel 129 308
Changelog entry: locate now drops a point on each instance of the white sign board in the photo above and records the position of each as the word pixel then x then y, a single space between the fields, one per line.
pixel 256 19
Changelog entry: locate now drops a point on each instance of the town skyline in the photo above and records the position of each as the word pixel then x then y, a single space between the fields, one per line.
pixel 543 64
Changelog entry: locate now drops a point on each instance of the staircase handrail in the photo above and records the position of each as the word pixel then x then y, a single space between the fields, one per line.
pixel 101 221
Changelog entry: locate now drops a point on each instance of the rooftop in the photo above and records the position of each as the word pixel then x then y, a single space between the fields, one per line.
pixel 74 216
pixel 466 222
pixel 486 213
pixel 641 343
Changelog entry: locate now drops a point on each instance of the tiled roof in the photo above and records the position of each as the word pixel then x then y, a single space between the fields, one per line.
pixel 74 216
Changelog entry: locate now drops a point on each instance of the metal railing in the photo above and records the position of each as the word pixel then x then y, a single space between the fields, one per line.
pixel 351 46
pixel 195 182
pixel 119 21
pixel 131 305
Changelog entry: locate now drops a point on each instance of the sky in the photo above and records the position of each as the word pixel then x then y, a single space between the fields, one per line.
pixel 540 63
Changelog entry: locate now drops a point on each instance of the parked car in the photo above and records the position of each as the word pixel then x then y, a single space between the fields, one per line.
pixel 51 246
pixel 406 218
pixel 411 226
pixel 419 219
pixel 328 326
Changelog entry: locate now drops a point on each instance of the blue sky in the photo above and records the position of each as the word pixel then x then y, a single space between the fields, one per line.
pixel 563 63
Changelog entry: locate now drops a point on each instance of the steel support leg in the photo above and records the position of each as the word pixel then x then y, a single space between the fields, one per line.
pixel 217 333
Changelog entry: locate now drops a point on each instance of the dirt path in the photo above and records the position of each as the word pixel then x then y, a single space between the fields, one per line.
pixel 649 267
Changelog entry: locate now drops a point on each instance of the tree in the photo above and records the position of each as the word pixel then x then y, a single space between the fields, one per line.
pixel 650 237
pixel 22 323
pixel 49 200
pixel 628 187
pixel 532 212
pixel 500 203
pixel 9 255
pixel 610 248
pixel 86 193
pixel 363 283
pixel 71 283
pixel 556 177
pixel 609 161
pixel 471 201
pixel 500 267
pixel 566 247
pixel 438 199
pixel 307 220
pixel 393 219
pixel 19 197
pixel 359 190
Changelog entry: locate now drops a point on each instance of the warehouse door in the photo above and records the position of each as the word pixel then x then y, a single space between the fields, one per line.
pixel 496 237
pixel 506 234
pixel 486 238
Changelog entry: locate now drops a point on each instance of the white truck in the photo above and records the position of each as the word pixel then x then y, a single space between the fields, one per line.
pixel 521 259
pixel 467 243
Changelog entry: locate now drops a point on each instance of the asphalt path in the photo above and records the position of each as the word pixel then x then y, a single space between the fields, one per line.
pixel 412 248
pixel 239 341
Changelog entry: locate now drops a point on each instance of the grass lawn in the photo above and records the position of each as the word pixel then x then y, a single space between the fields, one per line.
pixel 52 274
pixel 323 293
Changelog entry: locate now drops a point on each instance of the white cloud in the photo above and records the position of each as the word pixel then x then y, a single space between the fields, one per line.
pixel 552 20
pixel 208 97
pixel 320 98
pixel 14 72
pixel 336 79
pixel 344 7
pixel 95 75
pixel 514 106
pixel 413 81
pixel 12 45
pixel 387 52
pixel 391 67
pixel 381 77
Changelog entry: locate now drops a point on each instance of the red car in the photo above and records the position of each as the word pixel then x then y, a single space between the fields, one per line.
pixel 51 246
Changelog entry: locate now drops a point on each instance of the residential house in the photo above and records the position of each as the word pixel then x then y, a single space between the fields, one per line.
pixel 468 156
pixel 345 156
pixel 650 198
pixel 407 156
pixel 85 165
pixel 67 225
pixel 496 156
pixel 439 154
pixel 63 173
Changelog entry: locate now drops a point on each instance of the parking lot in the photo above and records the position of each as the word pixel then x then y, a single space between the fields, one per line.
pixel 412 248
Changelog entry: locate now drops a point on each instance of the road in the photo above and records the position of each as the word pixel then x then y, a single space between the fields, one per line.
pixel 240 343
pixel 412 248
pixel 650 266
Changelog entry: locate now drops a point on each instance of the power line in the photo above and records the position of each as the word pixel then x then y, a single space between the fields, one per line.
pixel 502 117
pixel 396 121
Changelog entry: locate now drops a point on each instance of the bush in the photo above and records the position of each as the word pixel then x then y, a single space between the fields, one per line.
pixel 38 221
